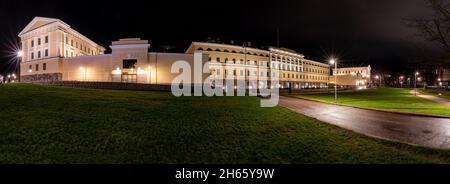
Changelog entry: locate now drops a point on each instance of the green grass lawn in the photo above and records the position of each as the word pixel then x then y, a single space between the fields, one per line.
pixel 392 99
pixel 41 124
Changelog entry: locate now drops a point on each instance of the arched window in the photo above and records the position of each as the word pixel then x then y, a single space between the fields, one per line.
pixel 226 50
pixel 200 48
pixel 218 50
pixel 233 51
pixel 241 52
pixel 209 49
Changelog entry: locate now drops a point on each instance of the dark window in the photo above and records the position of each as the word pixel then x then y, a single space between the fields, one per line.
pixel 32 43
pixel 30 67
pixel 46 52
pixel 44 66
pixel 71 43
pixel 32 55
pixel 46 39
pixel 39 41
pixel 39 54
pixel 209 49
pixel 37 67
pixel 200 48
pixel 129 63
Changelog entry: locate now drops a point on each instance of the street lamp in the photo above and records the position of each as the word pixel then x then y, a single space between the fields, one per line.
pixel 415 83
pixel 401 81
pixel 333 61
pixel 377 77
pixel 19 55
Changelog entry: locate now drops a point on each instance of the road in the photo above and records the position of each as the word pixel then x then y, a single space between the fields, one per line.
pixel 419 130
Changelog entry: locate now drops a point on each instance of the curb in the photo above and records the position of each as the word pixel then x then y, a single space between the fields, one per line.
pixel 380 110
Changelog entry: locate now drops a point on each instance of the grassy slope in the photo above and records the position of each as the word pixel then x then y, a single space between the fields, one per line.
pixel 40 124
pixel 392 99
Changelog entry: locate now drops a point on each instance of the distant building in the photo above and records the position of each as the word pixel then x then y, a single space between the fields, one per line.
pixel 288 67
pixel 353 76
pixel 53 51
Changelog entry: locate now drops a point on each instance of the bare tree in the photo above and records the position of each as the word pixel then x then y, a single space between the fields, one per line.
pixel 436 27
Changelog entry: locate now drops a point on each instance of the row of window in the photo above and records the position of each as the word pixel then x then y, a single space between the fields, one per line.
pixel 277 58
pixel 44 67
pixel 350 72
pixel 39 54
pixel 275 66
pixel 274 74
pixel 233 51
pixel 39 41
pixel 82 47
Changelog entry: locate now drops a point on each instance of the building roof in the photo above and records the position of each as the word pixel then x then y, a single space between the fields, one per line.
pixel 39 22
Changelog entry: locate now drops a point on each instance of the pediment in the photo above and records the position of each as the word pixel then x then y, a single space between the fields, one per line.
pixel 38 22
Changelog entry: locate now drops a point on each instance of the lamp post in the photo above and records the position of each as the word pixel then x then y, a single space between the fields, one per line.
pixel 333 61
pixel 401 81
pixel 377 77
pixel 19 55
pixel 415 83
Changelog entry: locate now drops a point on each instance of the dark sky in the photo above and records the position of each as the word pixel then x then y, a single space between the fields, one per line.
pixel 358 31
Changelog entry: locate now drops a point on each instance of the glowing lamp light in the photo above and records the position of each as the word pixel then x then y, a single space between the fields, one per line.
pixel 332 61
pixel 19 53
pixel 30 70
pixel 81 69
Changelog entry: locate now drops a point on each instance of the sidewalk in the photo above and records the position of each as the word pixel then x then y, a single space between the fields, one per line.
pixel 432 98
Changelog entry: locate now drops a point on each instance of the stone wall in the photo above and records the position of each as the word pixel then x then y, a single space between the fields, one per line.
pixel 48 77
pixel 110 85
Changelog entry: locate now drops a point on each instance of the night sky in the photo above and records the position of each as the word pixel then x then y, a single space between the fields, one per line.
pixel 357 31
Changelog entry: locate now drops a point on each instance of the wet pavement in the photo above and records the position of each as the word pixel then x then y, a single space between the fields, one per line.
pixel 419 130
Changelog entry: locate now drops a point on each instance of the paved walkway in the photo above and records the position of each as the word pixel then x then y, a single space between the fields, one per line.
pixel 425 131
pixel 436 99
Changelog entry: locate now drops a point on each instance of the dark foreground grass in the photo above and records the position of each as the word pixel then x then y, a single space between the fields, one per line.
pixel 392 99
pixel 40 124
